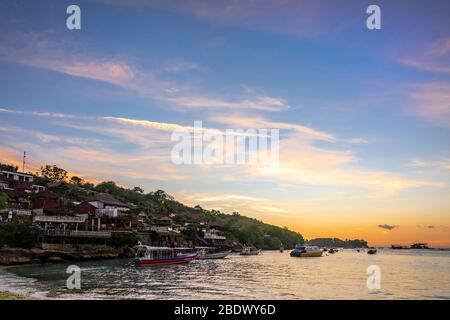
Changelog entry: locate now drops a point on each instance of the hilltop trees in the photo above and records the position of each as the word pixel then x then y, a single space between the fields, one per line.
pixel 237 228
pixel 76 180
pixel 8 167
pixel 52 173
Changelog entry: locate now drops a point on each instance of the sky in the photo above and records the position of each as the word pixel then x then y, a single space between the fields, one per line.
pixel 363 115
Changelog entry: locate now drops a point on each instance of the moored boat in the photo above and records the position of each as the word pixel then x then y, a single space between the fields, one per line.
pixel 211 253
pixel 147 255
pixel 250 251
pixel 306 251
pixel 372 251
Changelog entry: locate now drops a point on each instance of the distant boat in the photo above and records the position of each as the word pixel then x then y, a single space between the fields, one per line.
pixel 332 251
pixel 146 255
pixel 397 247
pixel 250 251
pixel 372 251
pixel 419 246
pixel 306 251
pixel 211 253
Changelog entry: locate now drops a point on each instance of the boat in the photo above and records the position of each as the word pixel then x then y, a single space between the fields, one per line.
pixel 419 246
pixel 281 249
pixel 250 251
pixel 332 251
pixel 211 253
pixel 372 251
pixel 147 255
pixel 398 247
pixel 306 251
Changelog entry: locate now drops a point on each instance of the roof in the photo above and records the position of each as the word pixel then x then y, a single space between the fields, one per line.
pixel 108 199
pixel 17 172
pixel 46 194
pixel 49 206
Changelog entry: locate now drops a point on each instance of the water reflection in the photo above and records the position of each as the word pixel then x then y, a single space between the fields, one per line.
pixel 406 274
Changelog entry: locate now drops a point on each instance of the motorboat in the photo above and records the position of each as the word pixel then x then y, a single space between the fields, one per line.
pixel 211 253
pixel 372 251
pixel 147 255
pixel 250 251
pixel 306 251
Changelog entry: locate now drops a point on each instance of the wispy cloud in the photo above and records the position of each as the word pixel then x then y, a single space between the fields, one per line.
pixel 301 162
pixel 432 101
pixel 440 164
pixel 388 226
pixel 31 50
pixel 434 57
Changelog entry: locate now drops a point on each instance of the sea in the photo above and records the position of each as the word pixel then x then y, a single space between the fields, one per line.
pixel 347 274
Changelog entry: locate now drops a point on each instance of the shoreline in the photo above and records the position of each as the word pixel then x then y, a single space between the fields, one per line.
pixel 61 254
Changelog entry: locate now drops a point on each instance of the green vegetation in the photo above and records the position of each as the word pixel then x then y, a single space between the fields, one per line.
pixel 3 200
pixel 20 233
pixel 338 243
pixel 5 295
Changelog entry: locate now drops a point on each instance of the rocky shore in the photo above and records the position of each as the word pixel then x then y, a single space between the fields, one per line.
pixel 6 295
pixel 56 254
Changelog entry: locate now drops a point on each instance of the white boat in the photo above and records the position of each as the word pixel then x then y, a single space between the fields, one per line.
pixel 306 251
pixel 211 253
pixel 250 251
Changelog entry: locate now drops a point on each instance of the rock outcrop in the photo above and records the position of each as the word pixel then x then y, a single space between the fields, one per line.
pixel 16 256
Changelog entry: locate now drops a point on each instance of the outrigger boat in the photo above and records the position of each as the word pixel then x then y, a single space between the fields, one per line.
pixel 147 255
pixel 250 251
pixel 305 251
pixel 211 253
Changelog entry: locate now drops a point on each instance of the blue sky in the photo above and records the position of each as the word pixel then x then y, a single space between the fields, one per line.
pixel 364 115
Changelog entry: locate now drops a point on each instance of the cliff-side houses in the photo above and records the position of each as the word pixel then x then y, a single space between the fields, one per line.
pixel 96 219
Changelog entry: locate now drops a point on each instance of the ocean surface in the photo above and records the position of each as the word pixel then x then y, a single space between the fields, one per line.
pixel 405 274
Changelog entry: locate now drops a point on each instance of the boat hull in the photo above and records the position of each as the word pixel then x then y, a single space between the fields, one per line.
pixel 310 254
pixel 217 255
pixel 250 253
pixel 175 260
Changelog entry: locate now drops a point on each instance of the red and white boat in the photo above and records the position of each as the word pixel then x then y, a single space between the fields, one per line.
pixel 146 255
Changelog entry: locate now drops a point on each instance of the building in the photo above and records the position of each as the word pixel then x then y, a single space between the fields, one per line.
pixel 103 211
pixel 213 237
pixel 9 179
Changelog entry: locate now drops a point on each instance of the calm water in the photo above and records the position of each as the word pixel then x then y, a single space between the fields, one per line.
pixel 405 274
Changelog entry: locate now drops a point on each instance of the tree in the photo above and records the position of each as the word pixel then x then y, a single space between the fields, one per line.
pixel 161 196
pixel 8 167
pixel 107 187
pixel 76 180
pixel 53 173
pixel 3 200
pixel 138 190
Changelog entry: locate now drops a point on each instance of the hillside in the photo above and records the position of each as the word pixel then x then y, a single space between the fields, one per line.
pixel 337 243
pixel 238 229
